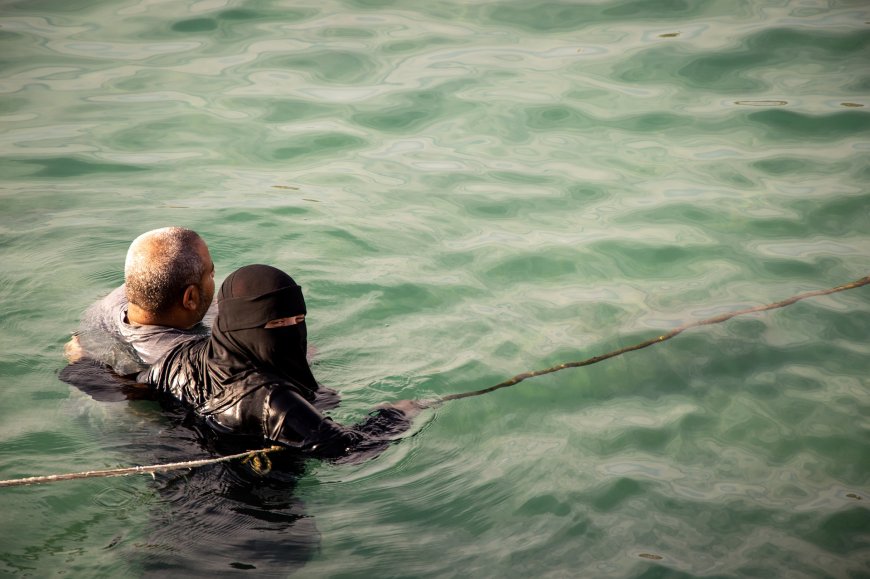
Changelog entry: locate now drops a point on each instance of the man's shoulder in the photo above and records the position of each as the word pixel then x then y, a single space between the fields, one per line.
pixel 149 341
pixel 104 312
pixel 116 297
pixel 114 301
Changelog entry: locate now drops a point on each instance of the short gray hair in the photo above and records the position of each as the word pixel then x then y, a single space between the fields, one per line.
pixel 160 265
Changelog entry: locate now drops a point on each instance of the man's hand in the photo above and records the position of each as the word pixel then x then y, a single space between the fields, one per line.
pixel 72 350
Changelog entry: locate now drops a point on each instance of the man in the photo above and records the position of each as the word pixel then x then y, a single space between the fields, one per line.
pixel 168 289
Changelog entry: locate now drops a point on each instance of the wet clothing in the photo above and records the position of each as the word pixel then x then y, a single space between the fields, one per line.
pixel 251 297
pixel 246 379
pixel 106 335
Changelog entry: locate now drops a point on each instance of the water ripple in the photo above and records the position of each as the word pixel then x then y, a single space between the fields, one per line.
pixel 466 191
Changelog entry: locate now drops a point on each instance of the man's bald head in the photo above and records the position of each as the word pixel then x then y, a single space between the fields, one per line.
pixel 160 265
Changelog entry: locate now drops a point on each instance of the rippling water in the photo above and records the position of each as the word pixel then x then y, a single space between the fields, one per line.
pixel 466 190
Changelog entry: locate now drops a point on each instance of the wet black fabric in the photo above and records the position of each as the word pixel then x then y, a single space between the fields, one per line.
pixel 248 298
pixel 252 300
pixel 102 383
pixel 217 520
pixel 246 379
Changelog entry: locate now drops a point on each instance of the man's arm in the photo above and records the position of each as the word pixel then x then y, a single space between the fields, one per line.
pixel 101 383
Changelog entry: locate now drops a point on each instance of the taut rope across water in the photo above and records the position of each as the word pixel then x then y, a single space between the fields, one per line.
pixel 714 320
pixel 253 455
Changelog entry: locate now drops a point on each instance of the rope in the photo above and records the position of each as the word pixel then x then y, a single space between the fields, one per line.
pixel 258 460
pixel 595 359
pixel 252 456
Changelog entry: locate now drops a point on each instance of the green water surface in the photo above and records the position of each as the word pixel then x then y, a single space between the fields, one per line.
pixel 465 190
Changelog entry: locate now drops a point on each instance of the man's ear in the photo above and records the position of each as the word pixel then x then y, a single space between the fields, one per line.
pixel 190 300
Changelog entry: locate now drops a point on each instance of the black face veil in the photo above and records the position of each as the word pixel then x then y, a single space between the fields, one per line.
pixel 249 298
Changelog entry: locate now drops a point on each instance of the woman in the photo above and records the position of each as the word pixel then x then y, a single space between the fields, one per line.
pixel 251 376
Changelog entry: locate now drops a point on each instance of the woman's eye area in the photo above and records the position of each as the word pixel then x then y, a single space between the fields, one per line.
pixel 281 322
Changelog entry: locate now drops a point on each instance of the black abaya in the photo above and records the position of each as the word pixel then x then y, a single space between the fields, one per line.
pixel 247 379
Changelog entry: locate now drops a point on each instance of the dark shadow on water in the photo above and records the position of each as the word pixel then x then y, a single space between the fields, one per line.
pixel 227 519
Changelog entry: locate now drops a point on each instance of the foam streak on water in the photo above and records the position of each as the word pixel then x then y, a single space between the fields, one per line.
pixel 465 190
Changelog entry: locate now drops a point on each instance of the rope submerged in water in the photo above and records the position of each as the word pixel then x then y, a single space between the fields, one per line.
pixel 257 457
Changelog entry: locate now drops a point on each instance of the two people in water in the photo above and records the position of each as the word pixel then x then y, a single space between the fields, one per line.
pixel 249 375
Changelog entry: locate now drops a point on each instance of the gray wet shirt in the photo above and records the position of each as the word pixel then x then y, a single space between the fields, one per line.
pixel 107 336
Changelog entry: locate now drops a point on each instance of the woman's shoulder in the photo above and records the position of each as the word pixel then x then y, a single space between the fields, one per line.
pixel 185 358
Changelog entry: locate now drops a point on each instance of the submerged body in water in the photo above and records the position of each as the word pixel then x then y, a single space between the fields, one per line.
pixel 244 385
pixel 212 521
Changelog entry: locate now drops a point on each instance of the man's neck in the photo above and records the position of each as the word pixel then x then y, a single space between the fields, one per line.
pixel 139 317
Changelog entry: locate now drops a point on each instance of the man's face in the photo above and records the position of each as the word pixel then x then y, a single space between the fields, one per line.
pixel 206 283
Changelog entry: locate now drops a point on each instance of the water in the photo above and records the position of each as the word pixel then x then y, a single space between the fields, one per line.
pixel 465 190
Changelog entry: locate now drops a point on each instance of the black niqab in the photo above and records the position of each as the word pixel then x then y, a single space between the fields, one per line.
pixel 240 344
